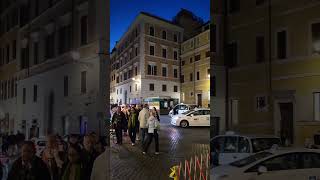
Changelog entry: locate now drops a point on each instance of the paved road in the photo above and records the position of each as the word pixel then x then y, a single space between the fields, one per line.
pixel 176 144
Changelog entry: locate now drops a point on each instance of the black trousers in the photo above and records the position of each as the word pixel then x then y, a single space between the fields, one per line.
pixel 119 135
pixel 149 141
pixel 132 134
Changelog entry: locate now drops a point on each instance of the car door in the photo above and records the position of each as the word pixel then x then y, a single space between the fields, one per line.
pixel 284 166
pixel 194 118
pixel 206 118
pixel 310 169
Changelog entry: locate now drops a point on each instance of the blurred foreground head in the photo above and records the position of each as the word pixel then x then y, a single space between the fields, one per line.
pixel 28 151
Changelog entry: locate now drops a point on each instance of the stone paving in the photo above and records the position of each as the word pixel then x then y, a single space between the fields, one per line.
pixel 176 144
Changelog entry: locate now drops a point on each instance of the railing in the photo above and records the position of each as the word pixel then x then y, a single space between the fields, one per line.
pixel 197 168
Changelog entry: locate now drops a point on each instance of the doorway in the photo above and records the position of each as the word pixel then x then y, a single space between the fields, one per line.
pixel 199 99
pixel 286 122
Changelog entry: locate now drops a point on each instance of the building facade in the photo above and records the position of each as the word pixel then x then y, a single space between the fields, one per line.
pixel 145 63
pixel 195 69
pixel 62 52
pixel 272 52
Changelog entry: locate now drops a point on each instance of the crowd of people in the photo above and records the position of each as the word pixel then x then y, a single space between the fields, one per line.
pixel 72 160
pixel 142 124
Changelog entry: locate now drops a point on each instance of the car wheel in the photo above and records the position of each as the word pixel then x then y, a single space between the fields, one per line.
pixel 184 123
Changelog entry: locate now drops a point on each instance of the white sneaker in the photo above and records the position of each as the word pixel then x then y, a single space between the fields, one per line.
pixel 132 144
pixel 143 152
pixel 138 139
pixel 157 153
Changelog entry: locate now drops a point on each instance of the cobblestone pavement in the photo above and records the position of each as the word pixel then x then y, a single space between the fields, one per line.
pixel 176 144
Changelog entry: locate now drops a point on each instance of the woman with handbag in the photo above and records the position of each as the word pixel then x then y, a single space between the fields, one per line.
pixel 153 126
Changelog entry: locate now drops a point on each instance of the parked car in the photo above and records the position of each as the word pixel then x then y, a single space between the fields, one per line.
pixel 293 164
pixel 40 144
pixel 181 108
pixel 196 117
pixel 232 147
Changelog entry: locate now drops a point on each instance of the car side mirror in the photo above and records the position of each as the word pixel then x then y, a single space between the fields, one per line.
pixel 262 169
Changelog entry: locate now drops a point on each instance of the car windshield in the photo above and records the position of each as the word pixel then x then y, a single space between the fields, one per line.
pixel 187 112
pixel 250 159
pixel 261 144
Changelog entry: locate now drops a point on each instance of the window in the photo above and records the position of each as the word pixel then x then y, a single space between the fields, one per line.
pixel 164 71
pixel 25 57
pixel 213 37
pixel 198 75
pixel 83 81
pixel 136 51
pixel 175 73
pixel 151 87
pixel 182 63
pixel 24 96
pixel 14 49
pixel 117 91
pixel 282 162
pixel 316 106
pixel 136 70
pixel 243 146
pixel 234 6
pixel 232 54
pixel 260 2
pixel 175 38
pixel 84 30
pixel 197 57
pixel 259 49
pixel 310 160
pixel 230 145
pixel 213 86
pixel 136 87
pixel 164 35
pixel 191 77
pixel 152 70
pixel 65 86
pixel 175 55
pixel 50 46
pixel 35 53
pixel 207 54
pixel 261 103
pixel 64 39
pixel 120 90
pixel 36 7
pixel 315 31
pixel 164 87
pixel 8 54
pixel 151 50
pixel 35 93
pixel 130 89
pixel 282 45
pixel 164 53
pixel 151 31
pixel 118 80
pixel 182 78
pixel 175 88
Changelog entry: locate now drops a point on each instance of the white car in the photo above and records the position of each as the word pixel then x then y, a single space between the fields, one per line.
pixel 40 144
pixel 293 164
pixel 181 108
pixel 232 147
pixel 196 117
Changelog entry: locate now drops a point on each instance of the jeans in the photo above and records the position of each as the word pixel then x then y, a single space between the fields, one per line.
pixel 132 134
pixel 149 141
pixel 119 135
pixel 144 131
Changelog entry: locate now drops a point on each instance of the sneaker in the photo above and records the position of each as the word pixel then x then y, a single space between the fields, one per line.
pixel 157 153
pixel 138 139
pixel 132 144
pixel 143 152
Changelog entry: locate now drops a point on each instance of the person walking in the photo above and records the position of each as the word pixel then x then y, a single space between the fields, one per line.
pixel 157 115
pixel 88 155
pixel 152 125
pixel 51 157
pixel 136 107
pixel 29 166
pixel 117 121
pixel 74 170
pixel 143 118
pixel 132 125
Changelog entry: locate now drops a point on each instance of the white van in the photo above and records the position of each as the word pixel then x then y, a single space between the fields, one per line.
pixel 181 108
pixel 232 147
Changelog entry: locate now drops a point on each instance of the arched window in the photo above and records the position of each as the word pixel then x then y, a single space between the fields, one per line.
pixel 151 31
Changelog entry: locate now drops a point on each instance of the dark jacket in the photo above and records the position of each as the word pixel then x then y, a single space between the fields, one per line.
pixel 118 120
pixel 38 170
pixel 88 160
pixel 133 119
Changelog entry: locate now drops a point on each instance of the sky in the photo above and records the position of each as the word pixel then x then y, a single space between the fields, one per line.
pixel 123 12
